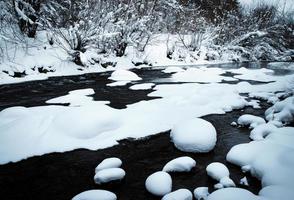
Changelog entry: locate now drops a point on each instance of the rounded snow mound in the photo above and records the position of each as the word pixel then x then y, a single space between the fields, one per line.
pixel 201 193
pixel 181 164
pixel 108 175
pixel 217 171
pixel 250 120
pixel 180 194
pixel 109 163
pixel 95 195
pixel 159 183
pixel 196 135
pixel 232 194
pixel 124 75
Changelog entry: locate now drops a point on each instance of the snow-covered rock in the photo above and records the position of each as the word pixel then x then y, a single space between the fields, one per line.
pixel 143 86
pixel 196 135
pixel 95 195
pixel 108 175
pixel 217 171
pixel 201 193
pixel 181 164
pixel 118 83
pixel 124 75
pixel 261 131
pixel 232 194
pixel 227 182
pixel 244 181
pixel 159 183
pixel 180 194
pixel 282 111
pixel 250 120
pixel 109 163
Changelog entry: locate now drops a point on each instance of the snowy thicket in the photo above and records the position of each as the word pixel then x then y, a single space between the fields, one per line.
pixel 105 33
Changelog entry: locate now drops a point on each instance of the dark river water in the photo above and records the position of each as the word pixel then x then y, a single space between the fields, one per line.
pixel 60 176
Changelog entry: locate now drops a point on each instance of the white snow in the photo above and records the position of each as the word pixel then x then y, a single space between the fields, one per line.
pixel 196 135
pixel 181 164
pixel 75 98
pixel 262 75
pixel 244 181
pixel 201 75
pixel 282 111
pixel 143 86
pixel 159 183
pixel 118 83
pixel 270 160
pixel 173 69
pixel 217 171
pixel 95 195
pixel 124 75
pixel 180 194
pixel 227 182
pixel 262 130
pixel 201 193
pixel 108 175
pixel 250 120
pixel 45 129
pixel 109 163
pixel 232 194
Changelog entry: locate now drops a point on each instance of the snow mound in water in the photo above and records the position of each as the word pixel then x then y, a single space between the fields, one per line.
pixel 181 164
pixel 180 194
pixel 250 120
pixel 196 135
pixel 220 172
pixel 159 183
pixel 232 194
pixel 143 86
pixel 282 111
pixel 201 193
pixel 95 195
pixel 109 163
pixel 124 75
pixel 108 175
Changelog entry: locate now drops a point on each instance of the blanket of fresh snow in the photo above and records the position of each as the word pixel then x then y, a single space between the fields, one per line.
pixel 45 129
pixel 271 160
pixel 159 183
pixel 180 194
pixel 196 135
pixel 201 193
pixel 109 163
pixel 124 75
pixel 181 164
pixel 95 195
pixel 143 86
pixel 250 120
pixel 108 175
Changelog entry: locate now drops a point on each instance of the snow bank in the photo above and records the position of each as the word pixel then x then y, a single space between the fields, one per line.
pixel 201 193
pixel 282 111
pixel 75 98
pixel 181 164
pixel 261 131
pixel 143 86
pixel 108 175
pixel 124 75
pixel 159 183
pixel 262 75
pixel 201 75
pixel 196 135
pixel 95 195
pixel 109 163
pixel 262 158
pixel 180 194
pixel 250 120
